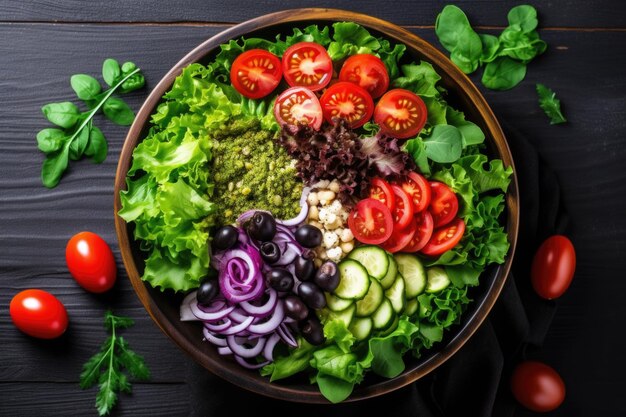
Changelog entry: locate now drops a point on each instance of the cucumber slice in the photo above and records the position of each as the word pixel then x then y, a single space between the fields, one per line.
pixel 371 301
pixel 373 258
pixel 411 306
pixel 390 328
pixel 353 280
pixel 437 279
pixel 413 273
pixel 392 271
pixel 384 315
pixel 335 303
pixel 325 315
pixel 395 294
pixel 361 327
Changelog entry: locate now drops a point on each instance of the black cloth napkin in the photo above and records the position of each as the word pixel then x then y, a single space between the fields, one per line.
pixel 475 381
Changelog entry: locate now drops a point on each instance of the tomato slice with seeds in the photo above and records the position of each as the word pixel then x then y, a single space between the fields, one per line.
pixel 298 105
pixel 348 101
pixel 424 221
pixel 403 210
pixel 445 238
pixel 256 73
pixel 400 238
pixel 418 188
pixel 367 71
pixel 370 222
pixel 443 203
pixel 307 64
pixel 400 113
pixel 381 190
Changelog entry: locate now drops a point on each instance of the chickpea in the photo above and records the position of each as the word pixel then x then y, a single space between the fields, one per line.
pixel 347 247
pixel 313 213
pixel 312 199
pixel 326 195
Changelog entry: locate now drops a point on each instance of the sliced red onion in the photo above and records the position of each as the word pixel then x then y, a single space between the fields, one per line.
pixel 304 210
pixel 224 350
pixel 270 344
pixel 247 215
pixel 244 272
pixel 185 308
pixel 265 308
pixel 285 333
pixel 271 323
pixel 241 361
pixel 289 255
pixel 239 347
pixel 213 338
pixel 238 327
pixel 239 315
pixel 219 327
pixel 218 315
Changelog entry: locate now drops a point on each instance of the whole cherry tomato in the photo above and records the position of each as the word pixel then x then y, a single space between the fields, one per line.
pixel 90 261
pixel 553 267
pixel 38 313
pixel 537 386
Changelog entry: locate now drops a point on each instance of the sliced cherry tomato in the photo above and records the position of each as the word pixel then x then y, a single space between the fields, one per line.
pixel 553 267
pixel 400 113
pixel 418 188
pixel 403 211
pixel 400 238
pixel 370 222
pixel 424 221
pixel 256 73
pixel 39 314
pixel 347 101
pixel 444 238
pixel 537 386
pixel 298 105
pixel 90 261
pixel 381 190
pixel 307 64
pixel 367 71
pixel 443 203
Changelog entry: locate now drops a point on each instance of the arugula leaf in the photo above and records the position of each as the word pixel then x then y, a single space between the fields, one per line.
pixel 106 367
pixel 550 104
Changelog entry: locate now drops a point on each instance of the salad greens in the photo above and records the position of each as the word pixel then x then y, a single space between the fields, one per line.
pixel 77 136
pixel 550 104
pixel 505 57
pixel 106 367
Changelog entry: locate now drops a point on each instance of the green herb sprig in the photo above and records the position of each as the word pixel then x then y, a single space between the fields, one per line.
pixel 106 367
pixel 550 104
pixel 76 135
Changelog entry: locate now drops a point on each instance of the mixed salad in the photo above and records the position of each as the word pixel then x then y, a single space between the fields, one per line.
pixel 324 207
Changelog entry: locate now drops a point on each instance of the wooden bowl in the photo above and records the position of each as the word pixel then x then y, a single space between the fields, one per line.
pixel 164 307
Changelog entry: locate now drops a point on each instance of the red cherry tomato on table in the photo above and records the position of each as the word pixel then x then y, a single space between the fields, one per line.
pixel 400 113
pixel 444 238
pixel 418 188
pixel 90 261
pixel 370 222
pixel 400 238
pixel 424 221
pixel 256 73
pixel 553 267
pixel 403 211
pixel 307 64
pixel 443 204
pixel 39 314
pixel 298 105
pixel 368 72
pixel 537 386
pixel 347 101
pixel 381 190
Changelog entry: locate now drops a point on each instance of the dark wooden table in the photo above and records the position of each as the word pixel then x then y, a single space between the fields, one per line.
pixel 43 42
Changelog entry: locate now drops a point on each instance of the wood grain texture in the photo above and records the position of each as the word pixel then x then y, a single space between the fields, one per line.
pixel 585 14
pixel 584 69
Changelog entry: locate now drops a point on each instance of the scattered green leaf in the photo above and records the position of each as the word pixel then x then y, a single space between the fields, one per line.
pixel 503 73
pixel 550 104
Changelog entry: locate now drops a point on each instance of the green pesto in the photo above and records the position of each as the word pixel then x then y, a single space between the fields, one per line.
pixel 251 171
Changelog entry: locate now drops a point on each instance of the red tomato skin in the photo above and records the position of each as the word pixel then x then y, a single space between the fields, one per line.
pixel 323 60
pixel 442 240
pixel 90 261
pixel 259 92
pixel 537 386
pixel 416 182
pixel 357 68
pixel 553 267
pixel 398 99
pixel 367 206
pixel 344 90
pixel 38 314
pixel 403 211
pixel 380 185
pixel 297 95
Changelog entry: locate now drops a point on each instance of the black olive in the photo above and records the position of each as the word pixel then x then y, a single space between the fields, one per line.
pixel 270 252
pixel 308 236
pixel 280 279
pixel 225 237
pixel 327 276
pixel 295 308
pixel 312 295
pixel 304 268
pixel 207 291
pixel 261 227
pixel 312 331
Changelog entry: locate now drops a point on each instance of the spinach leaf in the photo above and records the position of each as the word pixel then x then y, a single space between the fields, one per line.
pixel 85 86
pixel 444 144
pixel 64 114
pixel 111 71
pixel 550 104
pixel 456 35
pixel 79 144
pixel 334 389
pixel 97 147
pixel 503 73
pixel 54 166
pixel 118 111
pixel 50 140
pixel 491 44
pixel 525 16
pixel 415 147
pixel 387 359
